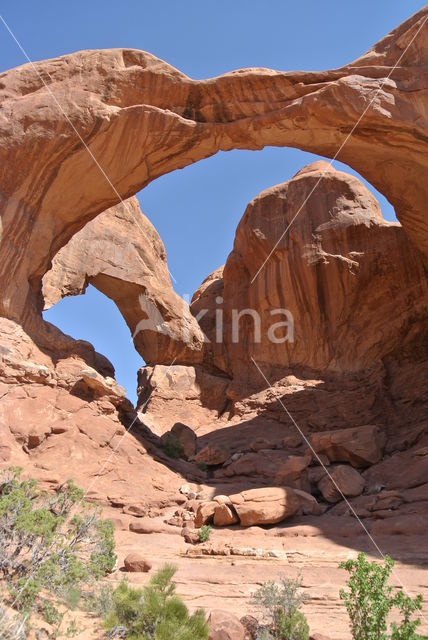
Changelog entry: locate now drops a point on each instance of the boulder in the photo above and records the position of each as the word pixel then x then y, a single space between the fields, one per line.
pixel 205 513
pixel 224 515
pixel 136 563
pixel 309 504
pixel 186 437
pixel 360 446
pixel 342 480
pixel 225 626
pixel 292 473
pixel 265 505
pixel 190 535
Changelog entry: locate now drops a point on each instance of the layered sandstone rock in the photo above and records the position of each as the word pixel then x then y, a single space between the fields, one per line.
pixel 341 481
pixel 355 284
pixel 265 506
pixel 121 254
pixel 340 290
pixel 142 118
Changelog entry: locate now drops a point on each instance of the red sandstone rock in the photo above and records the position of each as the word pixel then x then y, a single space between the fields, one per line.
pixel 186 437
pixel 205 513
pixel 265 506
pixel 292 473
pixel 342 481
pixel 212 456
pixel 361 446
pixel 121 254
pixel 136 563
pixel 225 516
pixel 225 626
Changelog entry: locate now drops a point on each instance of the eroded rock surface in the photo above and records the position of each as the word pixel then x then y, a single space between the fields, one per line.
pixel 355 284
pixel 121 254
pixel 354 287
pixel 143 118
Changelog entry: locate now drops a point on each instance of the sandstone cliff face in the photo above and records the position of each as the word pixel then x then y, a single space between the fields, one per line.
pixel 355 287
pixel 121 254
pixel 142 118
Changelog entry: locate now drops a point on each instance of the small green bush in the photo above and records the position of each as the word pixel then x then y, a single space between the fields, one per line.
pixel 51 545
pixel 154 612
pixel 279 606
pixel 204 533
pixel 369 601
pixel 173 447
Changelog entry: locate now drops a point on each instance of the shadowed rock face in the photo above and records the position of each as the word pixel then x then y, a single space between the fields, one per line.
pixel 122 255
pixel 142 118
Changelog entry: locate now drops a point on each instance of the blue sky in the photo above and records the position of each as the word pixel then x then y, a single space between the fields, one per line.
pixel 196 210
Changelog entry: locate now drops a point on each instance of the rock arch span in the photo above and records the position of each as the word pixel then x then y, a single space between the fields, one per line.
pixel 142 118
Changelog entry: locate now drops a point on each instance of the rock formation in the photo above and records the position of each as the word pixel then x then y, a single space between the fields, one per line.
pixel 80 133
pixel 121 254
pixel 140 118
pixel 354 285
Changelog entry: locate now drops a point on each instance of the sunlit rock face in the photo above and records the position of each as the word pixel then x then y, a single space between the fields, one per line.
pixel 142 118
pixel 316 279
pixel 121 254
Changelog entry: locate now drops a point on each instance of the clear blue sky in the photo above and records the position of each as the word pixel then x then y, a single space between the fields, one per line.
pixel 196 210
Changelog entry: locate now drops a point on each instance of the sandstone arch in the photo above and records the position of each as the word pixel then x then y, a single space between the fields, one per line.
pixel 142 118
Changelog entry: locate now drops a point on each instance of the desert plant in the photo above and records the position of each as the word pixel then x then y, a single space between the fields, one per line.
pixel 279 607
pixel 154 612
pixel 12 627
pixel 173 447
pixel 204 533
pixel 48 551
pixel 369 601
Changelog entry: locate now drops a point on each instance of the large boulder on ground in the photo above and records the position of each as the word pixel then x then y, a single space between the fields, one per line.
pixel 136 563
pixel 186 437
pixel 205 513
pixel 225 515
pixel 293 472
pixel 225 626
pixel 361 446
pixel 341 481
pixel 265 505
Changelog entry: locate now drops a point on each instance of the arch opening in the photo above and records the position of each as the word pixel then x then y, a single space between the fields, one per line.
pixel 97 319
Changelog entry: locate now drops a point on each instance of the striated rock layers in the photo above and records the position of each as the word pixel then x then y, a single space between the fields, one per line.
pixel 351 293
pixel 121 254
pixel 140 118
pixel 353 284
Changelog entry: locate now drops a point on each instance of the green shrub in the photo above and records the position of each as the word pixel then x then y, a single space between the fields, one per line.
pixel 279 606
pixel 369 601
pixel 204 533
pixel 51 545
pixel 173 447
pixel 154 612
